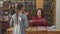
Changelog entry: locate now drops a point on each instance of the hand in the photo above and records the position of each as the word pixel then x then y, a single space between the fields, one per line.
pixel 31 21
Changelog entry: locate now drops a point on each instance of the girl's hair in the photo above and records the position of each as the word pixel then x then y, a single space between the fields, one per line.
pixel 19 6
pixel 42 12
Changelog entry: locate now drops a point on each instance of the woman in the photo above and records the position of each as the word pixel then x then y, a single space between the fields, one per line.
pixel 39 19
pixel 19 21
pixel 29 15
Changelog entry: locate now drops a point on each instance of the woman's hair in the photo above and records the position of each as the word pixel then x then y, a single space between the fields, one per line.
pixel 19 6
pixel 29 11
pixel 42 12
pixel 29 14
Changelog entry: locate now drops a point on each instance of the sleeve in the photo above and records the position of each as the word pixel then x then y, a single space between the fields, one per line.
pixel 11 22
pixel 46 22
pixel 26 22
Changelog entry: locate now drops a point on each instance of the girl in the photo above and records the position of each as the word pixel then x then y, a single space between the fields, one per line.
pixel 19 21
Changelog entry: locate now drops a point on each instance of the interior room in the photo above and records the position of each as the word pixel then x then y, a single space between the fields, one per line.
pixel 42 16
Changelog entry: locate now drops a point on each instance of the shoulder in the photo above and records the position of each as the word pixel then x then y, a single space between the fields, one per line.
pixel 13 15
pixel 24 16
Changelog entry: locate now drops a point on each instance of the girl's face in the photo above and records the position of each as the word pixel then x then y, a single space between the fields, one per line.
pixel 39 13
pixel 22 8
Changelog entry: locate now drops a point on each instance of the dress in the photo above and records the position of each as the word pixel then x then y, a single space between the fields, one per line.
pixel 22 24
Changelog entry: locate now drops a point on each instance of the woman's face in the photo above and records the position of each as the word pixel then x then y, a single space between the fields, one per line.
pixel 39 13
pixel 28 13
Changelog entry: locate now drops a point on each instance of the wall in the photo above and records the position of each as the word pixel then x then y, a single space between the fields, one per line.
pixel 58 13
pixel 39 4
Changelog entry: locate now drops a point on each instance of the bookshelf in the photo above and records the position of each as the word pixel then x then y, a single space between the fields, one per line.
pixel 9 5
pixel 49 11
pixel 29 3
pixel 4 23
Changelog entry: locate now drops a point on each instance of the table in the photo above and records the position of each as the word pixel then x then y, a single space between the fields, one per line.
pixel 53 31
pixel 32 30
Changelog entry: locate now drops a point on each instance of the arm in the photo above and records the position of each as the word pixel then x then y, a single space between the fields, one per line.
pixel 26 22
pixel 11 22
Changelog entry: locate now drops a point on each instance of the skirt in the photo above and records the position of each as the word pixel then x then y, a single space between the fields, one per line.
pixel 17 29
